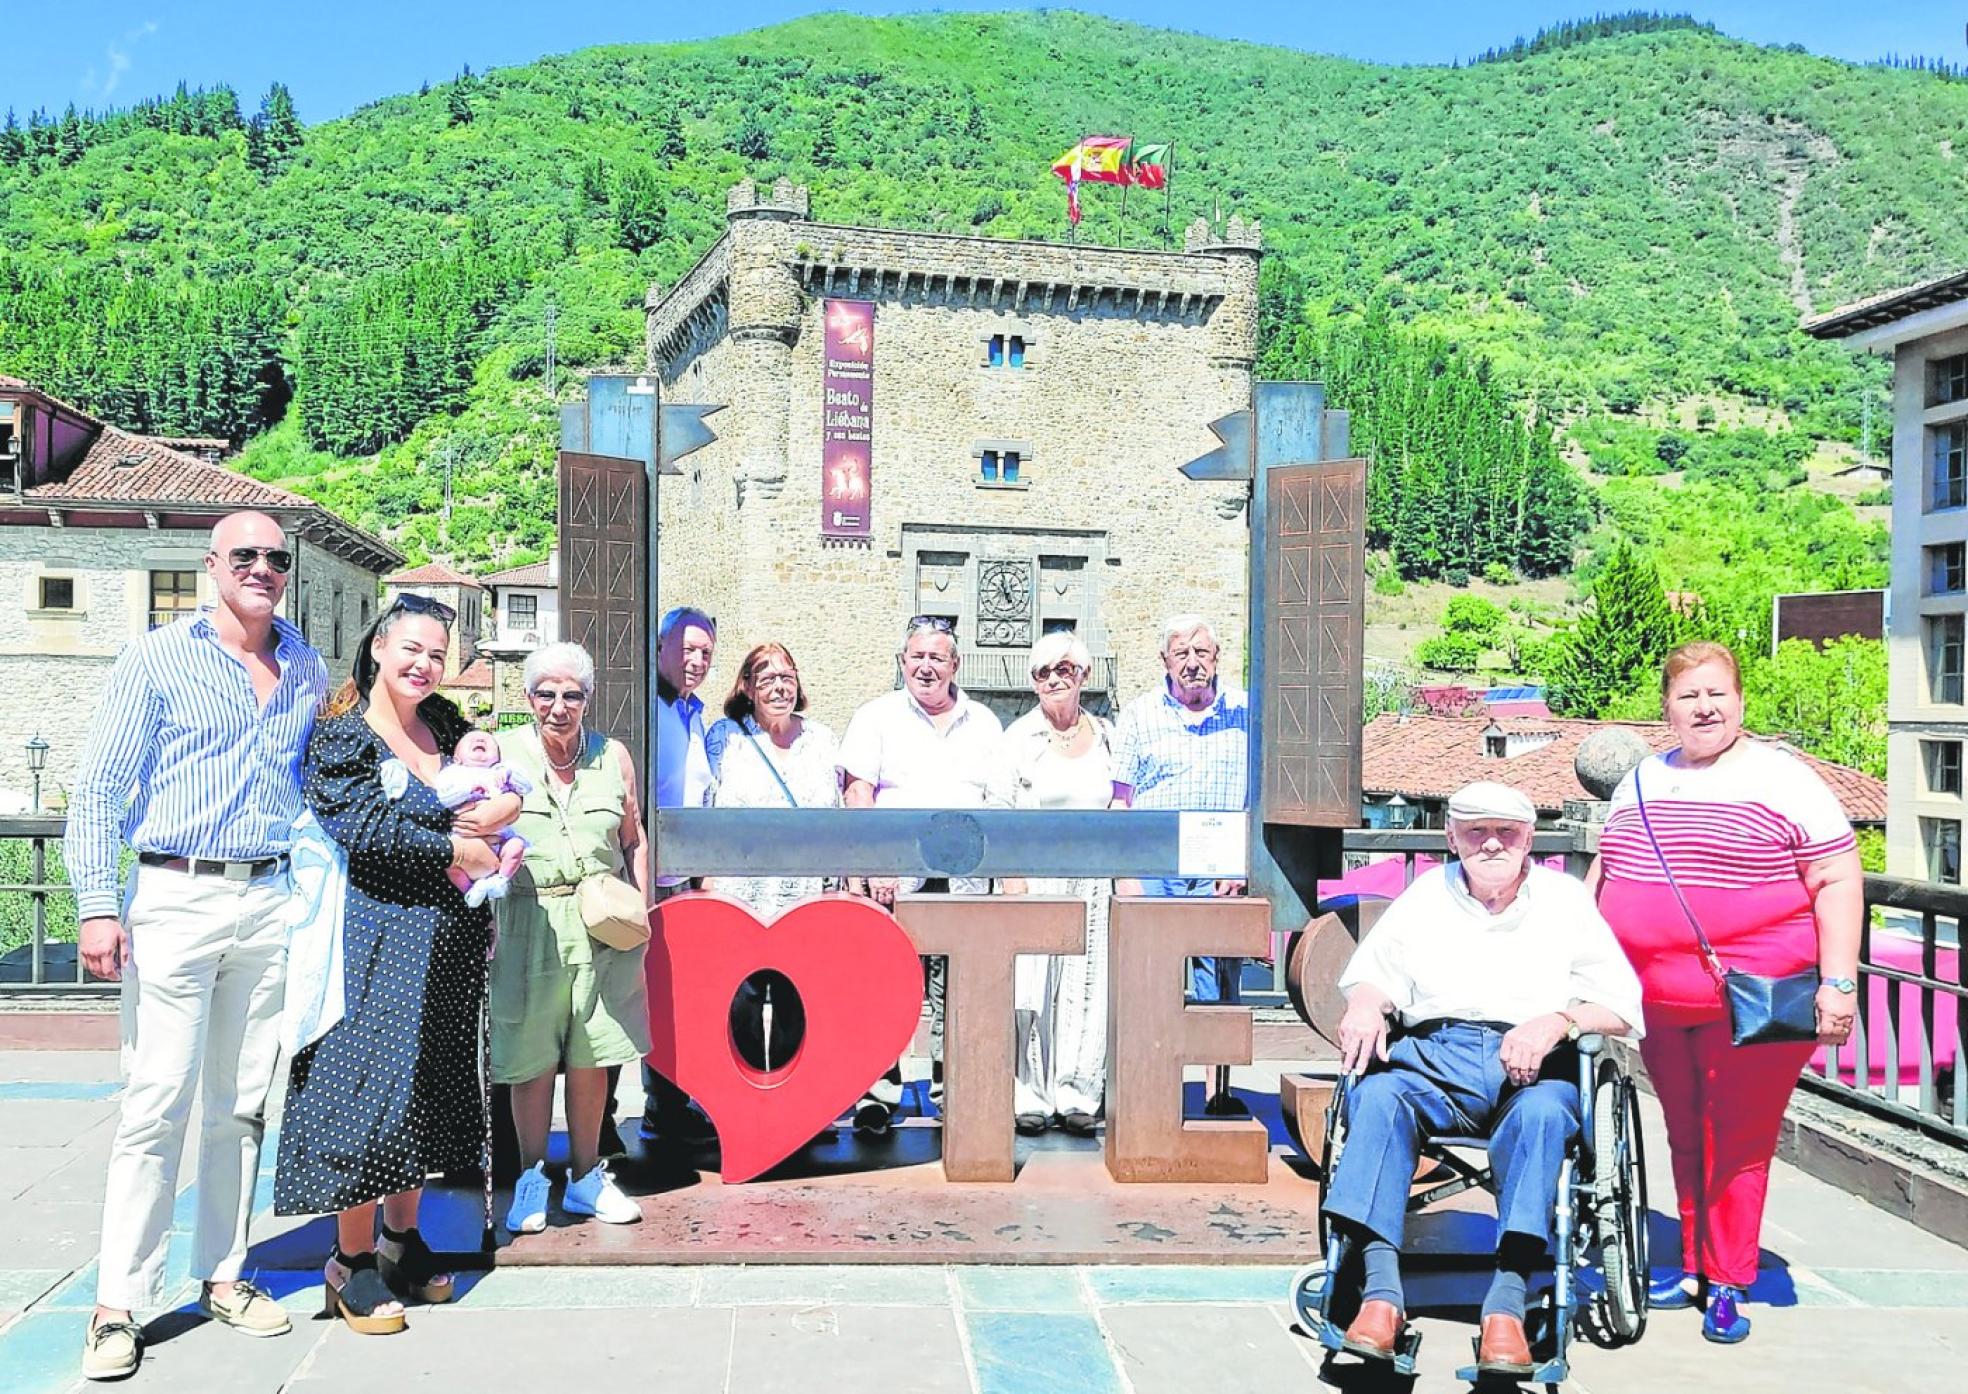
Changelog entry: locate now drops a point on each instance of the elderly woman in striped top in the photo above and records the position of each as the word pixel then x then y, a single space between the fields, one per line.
pixel 1741 842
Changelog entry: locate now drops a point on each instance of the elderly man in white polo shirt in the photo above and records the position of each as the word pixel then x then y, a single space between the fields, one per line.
pixel 924 746
pixel 1492 966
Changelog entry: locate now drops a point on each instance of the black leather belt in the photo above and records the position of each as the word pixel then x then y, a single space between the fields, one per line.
pixel 1437 1023
pixel 206 866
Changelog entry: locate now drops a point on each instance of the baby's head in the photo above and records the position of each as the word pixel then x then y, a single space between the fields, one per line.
pixel 477 748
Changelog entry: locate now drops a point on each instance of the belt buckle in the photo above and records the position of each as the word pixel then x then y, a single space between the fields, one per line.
pixel 236 871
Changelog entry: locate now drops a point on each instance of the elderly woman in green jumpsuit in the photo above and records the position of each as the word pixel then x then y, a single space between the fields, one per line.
pixel 562 1002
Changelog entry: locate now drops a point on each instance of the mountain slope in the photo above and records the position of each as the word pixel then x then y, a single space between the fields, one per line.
pixel 1637 219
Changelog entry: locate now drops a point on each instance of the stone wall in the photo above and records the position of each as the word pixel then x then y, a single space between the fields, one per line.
pixel 1130 356
pixel 53 666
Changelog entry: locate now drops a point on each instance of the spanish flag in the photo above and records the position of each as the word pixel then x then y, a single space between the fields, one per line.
pixel 1102 159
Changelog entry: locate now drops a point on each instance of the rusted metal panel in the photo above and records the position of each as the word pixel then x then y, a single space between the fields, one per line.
pixel 605 587
pixel 1314 629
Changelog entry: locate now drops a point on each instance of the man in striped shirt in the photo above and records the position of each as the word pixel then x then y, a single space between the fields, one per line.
pixel 1186 747
pixel 194 760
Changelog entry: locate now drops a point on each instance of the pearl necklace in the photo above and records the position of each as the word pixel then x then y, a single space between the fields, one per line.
pixel 567 768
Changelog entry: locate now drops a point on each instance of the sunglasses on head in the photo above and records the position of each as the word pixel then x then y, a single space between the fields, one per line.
pixel 940 623
pixel 410 603
pixel 241 559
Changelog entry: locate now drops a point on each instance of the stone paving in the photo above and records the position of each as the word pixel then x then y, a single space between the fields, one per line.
pixel 1851 1300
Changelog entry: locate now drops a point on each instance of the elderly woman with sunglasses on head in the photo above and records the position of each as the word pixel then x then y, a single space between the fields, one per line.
pixel 563 1001
pixel 391 1092
pixel 1058 755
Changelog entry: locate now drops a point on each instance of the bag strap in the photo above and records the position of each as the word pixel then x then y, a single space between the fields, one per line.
pixel 746 727
pixel 1708 949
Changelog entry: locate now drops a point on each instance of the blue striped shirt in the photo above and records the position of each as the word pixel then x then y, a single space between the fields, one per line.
pixel 1191 762
pixel 181 758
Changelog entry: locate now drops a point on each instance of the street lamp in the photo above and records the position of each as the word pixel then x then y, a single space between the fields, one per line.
pixel 1400 813
pixel 37 760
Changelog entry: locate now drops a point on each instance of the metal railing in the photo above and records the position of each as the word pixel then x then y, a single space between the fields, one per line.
pixel 1365 845
pixel 37 915
pixel 1904 1058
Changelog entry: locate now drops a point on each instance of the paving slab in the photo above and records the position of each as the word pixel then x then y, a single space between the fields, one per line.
pixel 22 1167
pixel 1030 1288
pixel 566 1288
pixel 1023 1352
pixel 58 1235
pixel 1163 1349
pixel 676 1351
pixel 787 1350
pixel 51 1122
pixel 95 1065
pixel 805 1284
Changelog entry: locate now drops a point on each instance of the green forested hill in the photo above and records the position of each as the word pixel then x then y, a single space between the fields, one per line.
pixel 1635 220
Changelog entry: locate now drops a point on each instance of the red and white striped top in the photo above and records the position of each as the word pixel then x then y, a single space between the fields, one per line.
pixel 1736 833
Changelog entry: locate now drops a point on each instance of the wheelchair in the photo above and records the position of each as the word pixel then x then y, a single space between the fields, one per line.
pixel 1599 1227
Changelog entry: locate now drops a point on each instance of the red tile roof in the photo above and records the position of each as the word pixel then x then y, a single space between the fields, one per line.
pixel 1430 757
pixel 434 573
pixel 536 573
pixel 142 472
pixel 475 676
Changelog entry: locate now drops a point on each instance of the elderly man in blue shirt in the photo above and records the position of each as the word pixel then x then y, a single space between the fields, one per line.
pixel 194 760
pixel 1186 747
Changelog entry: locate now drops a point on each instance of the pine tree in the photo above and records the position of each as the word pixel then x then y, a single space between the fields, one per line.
pixel 1619 640
pixel 283 125
pixel 670 144
pixel 68 137
pixel 258 158
pixel 13 145
pixel 753 141
pixel 458 106
pixel 639 210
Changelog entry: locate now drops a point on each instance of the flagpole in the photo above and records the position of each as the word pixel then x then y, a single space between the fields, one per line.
pixel 1120 223
pixel 1168 200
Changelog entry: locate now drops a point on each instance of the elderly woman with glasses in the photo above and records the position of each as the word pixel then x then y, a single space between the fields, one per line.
pixel 1058 755
pixel 562 1001
pixel 390 1093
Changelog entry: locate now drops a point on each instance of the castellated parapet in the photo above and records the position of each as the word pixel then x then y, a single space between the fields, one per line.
pixel 1122 358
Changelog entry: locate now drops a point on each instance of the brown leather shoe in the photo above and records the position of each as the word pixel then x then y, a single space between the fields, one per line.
pixel 1504 1349
pixel 1374 1331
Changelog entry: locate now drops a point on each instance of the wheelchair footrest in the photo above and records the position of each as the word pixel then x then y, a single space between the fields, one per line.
pixel 1550 1372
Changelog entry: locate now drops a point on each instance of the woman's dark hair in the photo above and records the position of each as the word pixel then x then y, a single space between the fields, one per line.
pixel 362 676
pixel 738 705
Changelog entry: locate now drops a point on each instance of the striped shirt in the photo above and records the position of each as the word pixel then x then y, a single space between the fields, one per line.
pixel 1737 834
pixel 182 759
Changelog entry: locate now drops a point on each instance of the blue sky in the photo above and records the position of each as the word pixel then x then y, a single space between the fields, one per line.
pixel 335 57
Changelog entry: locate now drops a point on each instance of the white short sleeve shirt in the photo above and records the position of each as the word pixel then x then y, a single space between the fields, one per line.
pixel 894 745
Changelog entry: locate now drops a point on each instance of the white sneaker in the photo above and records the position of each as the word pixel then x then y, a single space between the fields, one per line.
pixel 529 1208
pixel 597 1194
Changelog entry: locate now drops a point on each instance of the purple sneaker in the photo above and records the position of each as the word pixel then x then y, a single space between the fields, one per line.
pixel 1722 1323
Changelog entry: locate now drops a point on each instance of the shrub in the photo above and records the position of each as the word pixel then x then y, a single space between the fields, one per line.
pixel 1389 582
pixel 1480 619
pixel 1450 653
pixel 1499 574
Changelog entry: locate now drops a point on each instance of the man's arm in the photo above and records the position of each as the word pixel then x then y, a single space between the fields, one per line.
pixel 122 741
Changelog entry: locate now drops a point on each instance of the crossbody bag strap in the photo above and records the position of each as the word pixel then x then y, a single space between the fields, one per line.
pixel 1708 949
pixel 784 788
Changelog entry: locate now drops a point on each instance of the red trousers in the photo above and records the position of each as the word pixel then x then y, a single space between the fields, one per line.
pixel 1723 1105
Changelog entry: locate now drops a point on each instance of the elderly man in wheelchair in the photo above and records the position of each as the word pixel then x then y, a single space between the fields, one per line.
pixel 1466 1006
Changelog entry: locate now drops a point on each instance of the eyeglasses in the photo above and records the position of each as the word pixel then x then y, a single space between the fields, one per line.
pixel 765 680
pixel 241 559
pixel 573 697
pixel 409 602
pixel 1063 668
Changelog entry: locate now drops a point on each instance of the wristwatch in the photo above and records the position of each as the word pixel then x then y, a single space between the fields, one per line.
pixel 1571 1026
pixel 1845 985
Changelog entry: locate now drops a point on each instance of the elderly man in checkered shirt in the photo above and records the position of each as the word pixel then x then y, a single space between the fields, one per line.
pixel 1186 746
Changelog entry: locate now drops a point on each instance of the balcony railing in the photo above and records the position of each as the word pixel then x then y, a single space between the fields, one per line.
pixel 37 910
pixel 1904 1058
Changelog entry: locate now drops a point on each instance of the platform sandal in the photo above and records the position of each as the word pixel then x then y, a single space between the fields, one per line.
pixel 357 1299
pixel 411 1269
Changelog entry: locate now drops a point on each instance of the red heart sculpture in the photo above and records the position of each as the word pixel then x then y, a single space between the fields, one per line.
pixel 857 975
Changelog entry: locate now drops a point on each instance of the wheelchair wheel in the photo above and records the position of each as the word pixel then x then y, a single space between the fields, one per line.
pixel 1619 1203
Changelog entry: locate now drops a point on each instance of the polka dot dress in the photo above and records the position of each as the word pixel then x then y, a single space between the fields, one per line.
pixel 393 1093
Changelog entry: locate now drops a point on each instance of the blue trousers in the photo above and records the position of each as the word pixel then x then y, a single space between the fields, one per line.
pixel 1449 1082
pixel 1215 981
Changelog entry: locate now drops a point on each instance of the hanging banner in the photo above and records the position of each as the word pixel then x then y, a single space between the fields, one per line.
pixel 846 427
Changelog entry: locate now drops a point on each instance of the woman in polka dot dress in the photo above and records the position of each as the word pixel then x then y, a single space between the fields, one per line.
pixel 392 1093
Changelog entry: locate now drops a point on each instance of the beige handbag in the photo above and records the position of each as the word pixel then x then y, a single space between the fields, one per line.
pixel 613 911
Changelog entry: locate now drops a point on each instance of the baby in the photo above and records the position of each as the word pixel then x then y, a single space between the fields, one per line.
pixel 476 771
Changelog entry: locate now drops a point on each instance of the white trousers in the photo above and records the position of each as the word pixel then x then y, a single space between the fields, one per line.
pixel 1060 1026
pixel 201 1004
